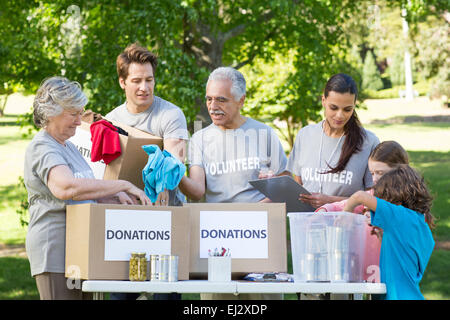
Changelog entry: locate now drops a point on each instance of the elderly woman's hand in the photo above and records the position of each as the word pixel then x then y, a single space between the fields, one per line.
pixel 139 194
pixel 124 198
pixel 119 198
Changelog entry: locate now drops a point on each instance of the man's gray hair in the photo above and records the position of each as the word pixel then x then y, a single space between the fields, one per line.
pixel 238 85
pixel 55 95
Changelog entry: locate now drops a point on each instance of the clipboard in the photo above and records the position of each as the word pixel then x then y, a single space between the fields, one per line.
pixel 283 189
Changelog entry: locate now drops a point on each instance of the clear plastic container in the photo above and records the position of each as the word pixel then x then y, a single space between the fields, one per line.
pixel 327 246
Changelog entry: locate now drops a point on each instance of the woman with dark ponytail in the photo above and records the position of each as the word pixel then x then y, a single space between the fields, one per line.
pixel 330 158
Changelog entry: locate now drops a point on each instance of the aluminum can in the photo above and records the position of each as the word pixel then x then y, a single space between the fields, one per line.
pixel 173 268
pixel 154 267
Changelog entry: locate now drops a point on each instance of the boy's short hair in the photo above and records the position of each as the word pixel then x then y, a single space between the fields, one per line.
pixel 406 187
pixel 134 53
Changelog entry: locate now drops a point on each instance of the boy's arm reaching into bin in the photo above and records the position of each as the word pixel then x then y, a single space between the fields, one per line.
pixel 361 197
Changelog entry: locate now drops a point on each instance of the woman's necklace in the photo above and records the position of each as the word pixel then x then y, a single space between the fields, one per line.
pixel 320 155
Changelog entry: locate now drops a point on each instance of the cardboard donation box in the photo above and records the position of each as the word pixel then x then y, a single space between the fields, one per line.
pixel 128 166
pixel 101 237
pixel 254 233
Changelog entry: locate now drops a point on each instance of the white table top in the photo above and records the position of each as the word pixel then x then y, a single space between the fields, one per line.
pixel 204 286
pixel 188 286
pixel 310 287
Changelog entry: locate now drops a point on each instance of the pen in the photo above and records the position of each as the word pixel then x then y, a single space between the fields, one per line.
pixel 223 252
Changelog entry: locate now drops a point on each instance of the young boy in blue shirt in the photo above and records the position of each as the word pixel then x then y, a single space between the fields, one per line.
pixel 401 208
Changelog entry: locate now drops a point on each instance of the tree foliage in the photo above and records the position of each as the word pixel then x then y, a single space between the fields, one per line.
pixel 377 27
pixel 371 74
pixel 191 38
pixel 24 56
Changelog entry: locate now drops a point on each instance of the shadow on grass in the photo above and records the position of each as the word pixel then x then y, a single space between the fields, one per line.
pixel 5 139
pixel 434 125
pixel 435 283
pixel 16 282
pixel 434 166
pixel 421 158
pixel 13 134
pixel 442 120
pixel 9 120
pixel 9 123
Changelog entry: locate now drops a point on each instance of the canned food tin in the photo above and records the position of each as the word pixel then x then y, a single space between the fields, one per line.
pixel 315 267
pixel 173 269
pixel 163 273
pixel 339 267
pixel 338 239
pixel 154 267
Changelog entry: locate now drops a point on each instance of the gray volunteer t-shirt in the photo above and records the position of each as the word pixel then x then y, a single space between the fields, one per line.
pixel 163 119
pixel 232 157
pixel 46 237
pixel 304 162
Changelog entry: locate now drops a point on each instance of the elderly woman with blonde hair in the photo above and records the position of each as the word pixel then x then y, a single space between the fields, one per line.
pixel 57 175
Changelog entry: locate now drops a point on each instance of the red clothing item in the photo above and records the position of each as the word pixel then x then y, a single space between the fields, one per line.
pixel 105 141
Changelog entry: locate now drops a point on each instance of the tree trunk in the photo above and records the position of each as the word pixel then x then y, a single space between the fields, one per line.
pixel 3 104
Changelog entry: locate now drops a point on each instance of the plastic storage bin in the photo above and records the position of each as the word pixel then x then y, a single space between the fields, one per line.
pixel 327 246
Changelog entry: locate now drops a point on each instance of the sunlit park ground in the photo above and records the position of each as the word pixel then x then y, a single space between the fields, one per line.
pixel 421 126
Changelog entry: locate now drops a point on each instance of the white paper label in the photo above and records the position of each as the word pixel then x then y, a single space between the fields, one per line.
pixel 128 231
pixel 245 233
pixel 82 140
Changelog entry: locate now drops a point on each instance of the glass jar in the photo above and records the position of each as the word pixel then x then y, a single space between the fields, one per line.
pixel 138 267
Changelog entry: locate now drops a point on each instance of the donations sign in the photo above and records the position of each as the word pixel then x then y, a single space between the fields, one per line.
pixel 245 233
pixel 128 231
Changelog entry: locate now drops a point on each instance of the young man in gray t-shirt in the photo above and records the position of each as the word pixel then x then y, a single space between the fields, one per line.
pixel 147 112
pixel 143 110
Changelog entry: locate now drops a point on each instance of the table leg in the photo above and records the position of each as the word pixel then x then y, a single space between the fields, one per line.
pixel 98 296
pixel 357 296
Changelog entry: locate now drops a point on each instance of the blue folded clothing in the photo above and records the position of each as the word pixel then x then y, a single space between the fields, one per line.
pixel 162 171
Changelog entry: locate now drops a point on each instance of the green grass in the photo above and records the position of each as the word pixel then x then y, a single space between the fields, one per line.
pixel 435 283
pixel 435 168
pixel 428 145
pixel 15 279
pixel 12 150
